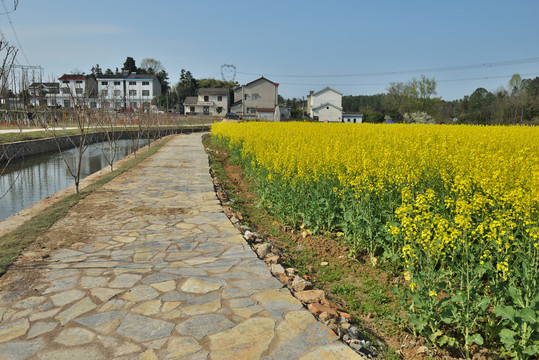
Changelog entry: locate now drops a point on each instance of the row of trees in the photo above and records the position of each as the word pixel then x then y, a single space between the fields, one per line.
pixel 415 101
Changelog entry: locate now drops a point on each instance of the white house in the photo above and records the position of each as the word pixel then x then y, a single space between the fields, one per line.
pixel 44 94
pixel 126 91
pixel 325 105
pixel 210 101
pixel 352 118
pixel 76 89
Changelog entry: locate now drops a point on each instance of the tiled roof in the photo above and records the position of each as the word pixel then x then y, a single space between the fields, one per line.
pixel 213 91
pixel 261 78
pixel 73 77
pixel 324 89
pixel 190 100
pixel 327 104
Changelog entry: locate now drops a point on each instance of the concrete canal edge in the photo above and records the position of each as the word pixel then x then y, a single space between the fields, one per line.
pixel 22 149
pixel 14 221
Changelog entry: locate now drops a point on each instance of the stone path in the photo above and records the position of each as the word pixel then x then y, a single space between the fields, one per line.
pixel 162 275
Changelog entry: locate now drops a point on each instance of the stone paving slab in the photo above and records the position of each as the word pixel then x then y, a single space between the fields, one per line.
pixel 164 275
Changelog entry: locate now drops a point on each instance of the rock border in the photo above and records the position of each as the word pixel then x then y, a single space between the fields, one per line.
pixel 326 311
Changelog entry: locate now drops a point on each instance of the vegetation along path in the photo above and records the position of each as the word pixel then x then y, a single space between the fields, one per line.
pixel 155 271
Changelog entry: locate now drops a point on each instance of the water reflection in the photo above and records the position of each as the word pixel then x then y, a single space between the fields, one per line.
pixel 25 182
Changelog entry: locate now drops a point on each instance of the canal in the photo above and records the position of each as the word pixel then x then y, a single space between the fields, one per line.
pixel 27 181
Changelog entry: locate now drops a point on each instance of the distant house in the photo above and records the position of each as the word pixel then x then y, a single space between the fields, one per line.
pixel 256 100
pixel 325 105
pixel 210 101
pixel 44 94
pixel 128 91
pixel 352 118
pixel 76 89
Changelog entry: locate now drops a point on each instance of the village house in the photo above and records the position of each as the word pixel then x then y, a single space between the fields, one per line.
pixel 44 94
pixel 76 89
pixel 352 118
pixel 256 100
pixel 128 91
pixel 325 105
pixel 210 101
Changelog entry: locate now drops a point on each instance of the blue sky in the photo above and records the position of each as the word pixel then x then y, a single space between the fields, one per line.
pixel 288 41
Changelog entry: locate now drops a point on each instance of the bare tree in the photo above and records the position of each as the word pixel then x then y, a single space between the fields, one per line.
pixel 7 59
pixel 83 120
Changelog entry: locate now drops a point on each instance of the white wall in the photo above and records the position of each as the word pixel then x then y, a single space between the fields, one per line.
pixel 324 114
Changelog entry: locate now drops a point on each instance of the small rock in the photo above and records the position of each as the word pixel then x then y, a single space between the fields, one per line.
pixel 324 317
pixel 324 263
pixel 310 296
pixel 300 284
pixel 263 250
pixel 287 280
pixel 422 350
pixel 331 304
pixel 258 239
pixel 234 219
pixel 317 309
pixel 277 269
pixel 357 347
pixel 272 259
pixel 345 326
pixel 347 316
pixel 292 271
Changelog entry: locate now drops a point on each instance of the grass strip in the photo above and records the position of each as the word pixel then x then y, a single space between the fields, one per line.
pixel 13 243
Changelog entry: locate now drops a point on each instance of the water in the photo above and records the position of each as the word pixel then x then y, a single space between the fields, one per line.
pixel 27 181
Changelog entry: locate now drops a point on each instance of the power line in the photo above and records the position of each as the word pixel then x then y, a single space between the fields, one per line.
pixel 400 72
pixel 15 32
pixel 15 4
pixel 387 83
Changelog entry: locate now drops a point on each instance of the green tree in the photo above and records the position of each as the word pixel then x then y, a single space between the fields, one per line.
pixel 96 70
pixel 129 65
pixel 187 86
pixel 214 83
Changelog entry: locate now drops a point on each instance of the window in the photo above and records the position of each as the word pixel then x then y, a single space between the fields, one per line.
pixel 65 91
pixel 117 92
pixel 93 105
pixel 132 83
pixel 206 98
pixel 78 91
pixel 145 105
pixel 192 109
pixel 133 104
pixel 254 96
pixel 67 103
pixel 219 98
pixel 145 83
pixel 251 110
pixel 117 83
pixel 132 92
pixel 117 105
pixel 145 92
pixel 245 97
pixel 206 110
pixel 327 107
pixel 104 83
pixel 104 93
pixel 66 81
pixel 79 81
